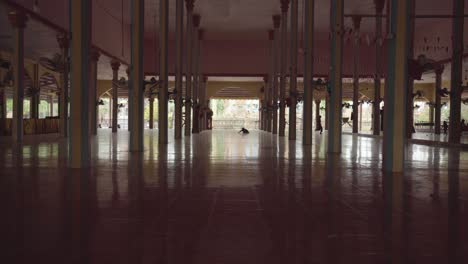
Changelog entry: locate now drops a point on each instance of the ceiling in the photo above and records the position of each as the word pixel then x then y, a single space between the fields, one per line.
pixel 237 26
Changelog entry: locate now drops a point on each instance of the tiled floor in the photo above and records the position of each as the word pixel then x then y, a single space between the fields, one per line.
pixel 221 197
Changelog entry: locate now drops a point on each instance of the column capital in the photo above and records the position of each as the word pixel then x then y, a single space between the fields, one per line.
pixel 115 65
pixel 189 4
pixel 356 21
pixel 379 5
pixel 284 6
pixel 17 19
pixel 63 41
pixel 276 21
pixel 201 34
pixel 94 54
pixel 196 20
pixel 271 34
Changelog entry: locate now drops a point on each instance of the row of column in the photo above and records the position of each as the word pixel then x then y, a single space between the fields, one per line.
pixel 396 99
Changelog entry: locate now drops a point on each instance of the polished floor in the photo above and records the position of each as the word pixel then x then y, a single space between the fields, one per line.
pixel 221 197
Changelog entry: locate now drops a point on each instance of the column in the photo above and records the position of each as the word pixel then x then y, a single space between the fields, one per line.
pixel 308 71
pixel 293 80
pixel 438 104
pixel 410 96
pixel 204 102
pixel 35 97
pixel 18 21
pixel 79 96
pixel 202 90
pixel 335 114
pixel 151 112
pixel 64 44
pixel 93 65
pixel 283 62
pixel 2 111
pixel 327 111
pixel 357 32
pixel 379 5
pixel 457 71
pixel 264 104
pixel 51 108
pixel 271 82
pixel 163 94
pixel 136 80
pixel 178 68
pixel 115 65
pixel 276 24
pixel 397 84
pixel 188 77
pixel 129 87
pixel 195 70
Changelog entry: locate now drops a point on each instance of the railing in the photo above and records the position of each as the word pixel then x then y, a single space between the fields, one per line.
pixel 235 123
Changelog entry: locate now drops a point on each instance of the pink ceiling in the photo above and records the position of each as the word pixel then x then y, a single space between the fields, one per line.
pixel 236 38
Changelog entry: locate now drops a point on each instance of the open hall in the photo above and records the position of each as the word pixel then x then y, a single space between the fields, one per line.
pixel 234 131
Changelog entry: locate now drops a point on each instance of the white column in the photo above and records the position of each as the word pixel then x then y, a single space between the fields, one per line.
pixel 293 81
pixel 115 65
pixel 308 71
pixel 283 66
pixel 18 21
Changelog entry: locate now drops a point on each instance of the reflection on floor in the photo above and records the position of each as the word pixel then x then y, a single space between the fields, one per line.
pixel 221 197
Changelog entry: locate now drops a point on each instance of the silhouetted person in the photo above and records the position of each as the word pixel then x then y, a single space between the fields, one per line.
pixel 445 127
pixel 244 131
pixel 319 124
pixel 463 125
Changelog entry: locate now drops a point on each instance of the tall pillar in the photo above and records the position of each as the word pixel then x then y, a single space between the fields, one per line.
pixel 202 114
pixel 2 112
pixel 94 58
pixel 271 82
pixel 308 71
pixel 276 24
pixel 18 21
pixel 64 44
pixel 79 96
pixel 51 108
pixel 357 32
pixel 293 80
pixel 151 112
pixel 283 62
pixel 438 104
pixel 457 71
pixel 35 97
pixel 264 104
pixel 397 83
pixel 196 72
pixel 136 81
pixel 129 87
pixel 163 93
pixel 379 5
pixel 335 114
pixel 327 111
pixel 410 87
pixel 178 68
pixel 188 77
pixel 115 65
